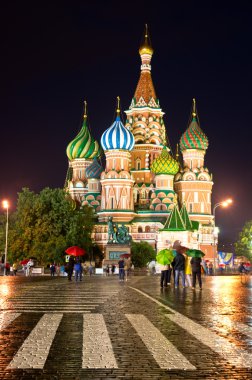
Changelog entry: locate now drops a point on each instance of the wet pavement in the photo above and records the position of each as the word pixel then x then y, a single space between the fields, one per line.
pixel 102 328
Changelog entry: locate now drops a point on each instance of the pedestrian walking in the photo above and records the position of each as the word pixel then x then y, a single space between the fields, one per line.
pixel 70 268
pixel 52 269
pixel 121 269
pixel 90 269
pixel 164 275
pixel 77 270
pixel 57 267
pixel 15 268
pixel 127 266
pixel 113 269
pixel 188 271
pixel 179 268
pixel 196 271
pixel 210 268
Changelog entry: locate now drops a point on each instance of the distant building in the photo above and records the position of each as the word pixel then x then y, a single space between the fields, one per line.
pixel 159 198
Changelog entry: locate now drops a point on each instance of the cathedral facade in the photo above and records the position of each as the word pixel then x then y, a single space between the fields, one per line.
pixel 157 197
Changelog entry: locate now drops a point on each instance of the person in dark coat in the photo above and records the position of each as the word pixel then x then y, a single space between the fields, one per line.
pixel 196 271
pixel 70 268
pixel 121 269
pixel 179 268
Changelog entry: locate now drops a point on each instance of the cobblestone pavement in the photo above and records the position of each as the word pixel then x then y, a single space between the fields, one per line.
pixel 102 328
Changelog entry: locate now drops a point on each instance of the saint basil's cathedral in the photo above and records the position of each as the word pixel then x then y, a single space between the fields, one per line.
pixel 143 186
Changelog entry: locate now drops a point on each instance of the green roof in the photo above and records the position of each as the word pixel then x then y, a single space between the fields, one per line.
pixel 185 217
pixel 150 219
pixel 195 225
pixel 174 221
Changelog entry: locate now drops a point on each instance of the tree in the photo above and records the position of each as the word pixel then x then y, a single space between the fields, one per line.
pixel 142 253
pixel 46 224
pixel 243 247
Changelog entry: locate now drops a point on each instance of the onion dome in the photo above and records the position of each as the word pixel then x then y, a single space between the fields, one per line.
pixel 94 170
pixel 194 137
pixel 117 136
pixel 146 47
pixel 84 145
pixel 165 164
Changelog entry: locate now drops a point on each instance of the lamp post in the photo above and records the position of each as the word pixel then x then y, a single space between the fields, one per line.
pixel 225 203
pixel 6 206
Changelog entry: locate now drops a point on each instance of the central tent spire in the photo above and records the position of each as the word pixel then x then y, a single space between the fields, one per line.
pixel 145 93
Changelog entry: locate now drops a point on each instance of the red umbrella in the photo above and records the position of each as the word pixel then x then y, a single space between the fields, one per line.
pixel 24 262
pixel 125 256
pixel 75 251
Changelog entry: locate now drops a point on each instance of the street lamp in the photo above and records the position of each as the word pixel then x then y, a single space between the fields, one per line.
pixel 5 204
pixel 225 203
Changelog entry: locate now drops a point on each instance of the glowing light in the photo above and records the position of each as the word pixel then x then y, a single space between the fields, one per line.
pixel 5 204
pixel 4 290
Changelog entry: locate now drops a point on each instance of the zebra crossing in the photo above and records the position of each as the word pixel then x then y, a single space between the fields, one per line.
pixel 85 300
pixel 99 353
pixel 98 346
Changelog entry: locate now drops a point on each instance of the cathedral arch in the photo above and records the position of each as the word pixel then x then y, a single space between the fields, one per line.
pixel 161 207
pixel 161 195
pixel 79 184
pixel 189 176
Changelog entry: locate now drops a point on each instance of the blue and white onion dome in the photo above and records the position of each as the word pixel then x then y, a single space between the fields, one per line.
pixel 117 136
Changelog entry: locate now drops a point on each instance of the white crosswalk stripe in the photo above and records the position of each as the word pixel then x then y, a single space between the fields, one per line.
pixel 34 351
pixel 97 349
pixel 163 351
pixel 6 319
pixel 235 355
pixel 83 301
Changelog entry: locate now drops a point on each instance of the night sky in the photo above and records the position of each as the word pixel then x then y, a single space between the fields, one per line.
pixel 55 55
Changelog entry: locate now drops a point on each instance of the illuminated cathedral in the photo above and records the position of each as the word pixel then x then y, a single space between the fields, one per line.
pixel 157 197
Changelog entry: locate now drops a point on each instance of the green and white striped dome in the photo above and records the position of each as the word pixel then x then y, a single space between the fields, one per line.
pixel 84 145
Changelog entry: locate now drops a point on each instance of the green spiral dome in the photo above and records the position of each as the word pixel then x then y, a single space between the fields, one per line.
pixel 165 164
pixel 193 137
pixel 84 145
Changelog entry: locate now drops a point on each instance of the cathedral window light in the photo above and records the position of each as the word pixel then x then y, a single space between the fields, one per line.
pixel 196 196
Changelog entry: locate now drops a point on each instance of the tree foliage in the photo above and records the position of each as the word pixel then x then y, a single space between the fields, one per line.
pixel 46 224
pixel 142 253
pixel 243 247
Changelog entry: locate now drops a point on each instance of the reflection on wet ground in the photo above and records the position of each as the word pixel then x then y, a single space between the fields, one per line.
pixel 224 304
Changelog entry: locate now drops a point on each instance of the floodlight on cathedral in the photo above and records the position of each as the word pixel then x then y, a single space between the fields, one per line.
pixel 83 145
pixel 117 136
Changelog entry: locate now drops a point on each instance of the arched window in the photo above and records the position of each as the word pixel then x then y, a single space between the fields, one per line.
pixel 147 229
pixel 138 164
pixel 140 229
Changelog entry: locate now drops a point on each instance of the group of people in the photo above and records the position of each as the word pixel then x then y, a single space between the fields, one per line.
pixel 184 267
pixel 244 267
pixel 124 269
pixel 74 266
